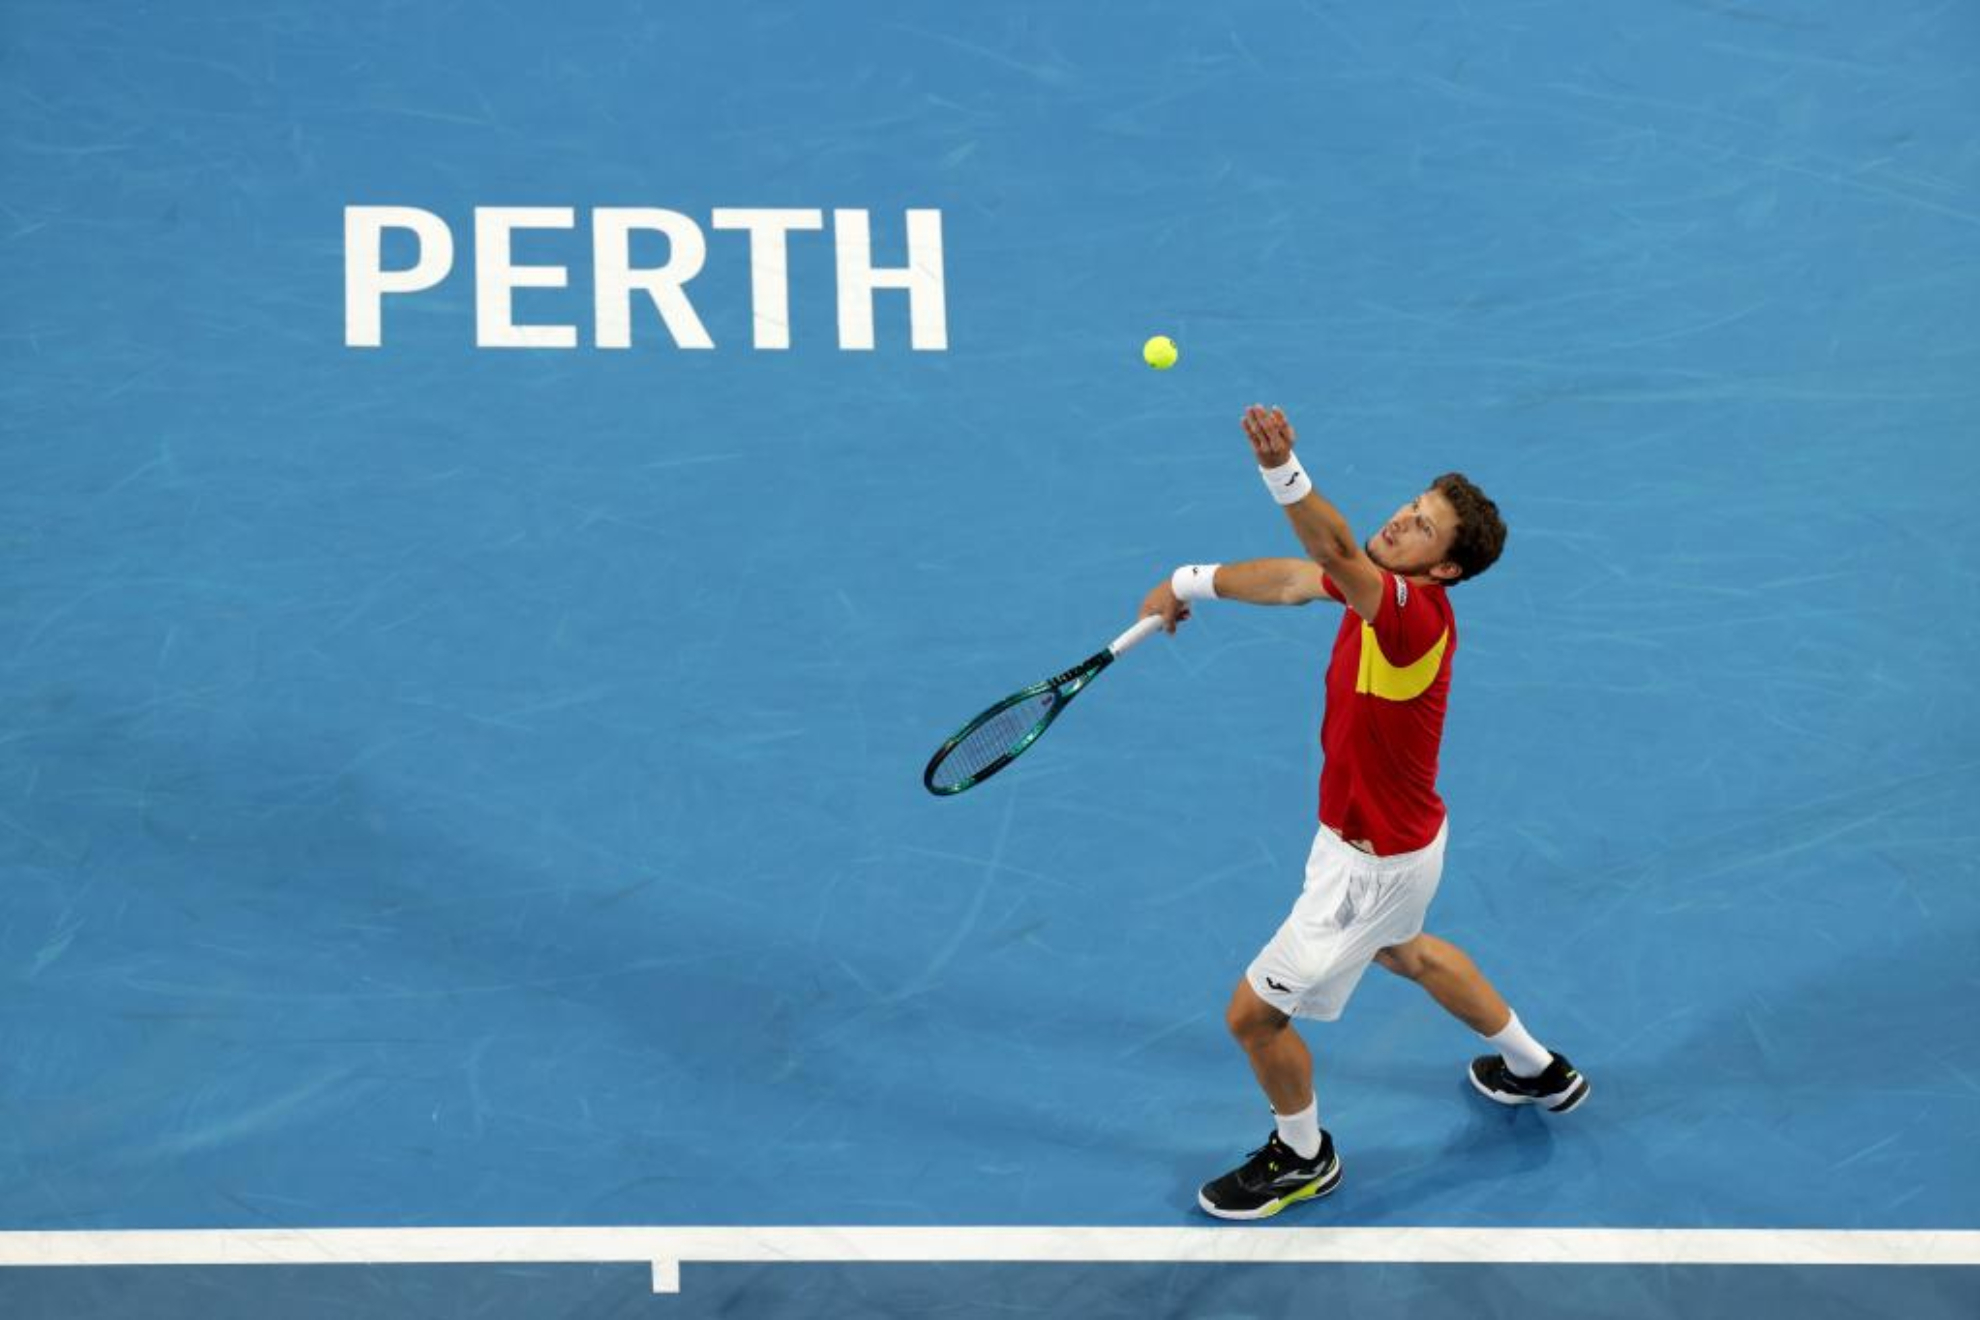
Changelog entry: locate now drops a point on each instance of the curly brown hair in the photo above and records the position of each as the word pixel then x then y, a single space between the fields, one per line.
pixel 1481 533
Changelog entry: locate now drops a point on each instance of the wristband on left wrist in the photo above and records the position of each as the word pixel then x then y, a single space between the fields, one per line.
pixel 1288 482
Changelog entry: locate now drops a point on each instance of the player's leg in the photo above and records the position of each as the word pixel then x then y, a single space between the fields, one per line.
pixel 1452 979
pixel 1297 1161
pixel 1523 1071
pixel 1279 1058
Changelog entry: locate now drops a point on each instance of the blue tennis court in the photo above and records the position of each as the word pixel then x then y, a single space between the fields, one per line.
pixel 446 785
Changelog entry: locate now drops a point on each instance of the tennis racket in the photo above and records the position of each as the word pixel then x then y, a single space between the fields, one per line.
pixel 1001 734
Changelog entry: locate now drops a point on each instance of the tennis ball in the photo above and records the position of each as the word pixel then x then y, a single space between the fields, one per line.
pixel 1159 352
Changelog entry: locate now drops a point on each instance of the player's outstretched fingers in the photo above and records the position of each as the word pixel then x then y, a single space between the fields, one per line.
pixel 1267 438
pixel 1254 432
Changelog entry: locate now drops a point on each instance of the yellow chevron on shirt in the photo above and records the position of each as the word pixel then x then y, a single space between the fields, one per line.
pixel 1391 682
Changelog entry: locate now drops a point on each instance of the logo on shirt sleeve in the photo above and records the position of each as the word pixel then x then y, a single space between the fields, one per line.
pixel 1402 593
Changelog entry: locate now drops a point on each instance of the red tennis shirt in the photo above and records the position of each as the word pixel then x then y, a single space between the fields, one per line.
pixel 1386 689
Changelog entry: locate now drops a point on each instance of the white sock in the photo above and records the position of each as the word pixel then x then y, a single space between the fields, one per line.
pixel 1524 1056
pixel 1301 1131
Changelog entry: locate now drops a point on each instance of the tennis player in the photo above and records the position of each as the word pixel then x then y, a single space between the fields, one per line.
pixel 1379 851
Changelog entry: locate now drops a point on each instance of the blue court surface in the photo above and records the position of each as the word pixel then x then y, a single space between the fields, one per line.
pixel 457 786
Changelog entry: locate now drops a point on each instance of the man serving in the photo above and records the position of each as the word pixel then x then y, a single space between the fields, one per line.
pixel 1379 851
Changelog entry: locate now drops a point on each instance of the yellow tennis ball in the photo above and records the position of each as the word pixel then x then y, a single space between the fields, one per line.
pixel 1159 352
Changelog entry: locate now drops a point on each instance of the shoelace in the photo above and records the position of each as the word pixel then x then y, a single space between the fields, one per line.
pixel 1259 1156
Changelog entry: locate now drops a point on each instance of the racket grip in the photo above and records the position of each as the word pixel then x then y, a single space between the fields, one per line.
pixel 1135 636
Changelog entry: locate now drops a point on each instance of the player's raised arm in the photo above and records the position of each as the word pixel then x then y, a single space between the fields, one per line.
pixel 1319 525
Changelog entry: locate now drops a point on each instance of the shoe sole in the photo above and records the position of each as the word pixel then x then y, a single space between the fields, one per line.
pixel 1575 1095
pixel 1319 1187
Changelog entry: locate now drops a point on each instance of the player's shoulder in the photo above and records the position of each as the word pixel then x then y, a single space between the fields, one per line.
pixel 1433 595
pixel 1420 607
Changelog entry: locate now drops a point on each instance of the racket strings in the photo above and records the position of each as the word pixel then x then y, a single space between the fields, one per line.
pixel 997 736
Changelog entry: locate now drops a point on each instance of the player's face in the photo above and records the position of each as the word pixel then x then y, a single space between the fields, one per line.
pixel 1417 537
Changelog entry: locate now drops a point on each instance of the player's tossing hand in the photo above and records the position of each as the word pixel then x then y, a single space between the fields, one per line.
pixel 1162 600
pixel 1270 433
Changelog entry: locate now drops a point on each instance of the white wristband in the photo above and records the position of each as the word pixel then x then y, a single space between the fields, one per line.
pixel 1288 482
pixel 1195 582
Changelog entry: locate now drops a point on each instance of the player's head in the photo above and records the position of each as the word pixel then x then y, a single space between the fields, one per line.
pixel 1452 531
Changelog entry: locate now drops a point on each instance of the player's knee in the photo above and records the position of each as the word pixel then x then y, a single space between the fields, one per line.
pixel 1411 960
pixel 1253 1029
pixel 1250 1020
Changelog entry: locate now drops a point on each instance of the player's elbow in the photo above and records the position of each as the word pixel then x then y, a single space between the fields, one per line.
pixel 1301 583
pixel 1335 565
pixel 1334 549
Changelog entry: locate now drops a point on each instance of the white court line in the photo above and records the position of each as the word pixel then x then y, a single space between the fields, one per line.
pixel 666 1249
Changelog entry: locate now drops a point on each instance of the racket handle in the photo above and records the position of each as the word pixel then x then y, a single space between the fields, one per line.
pixel 1135 636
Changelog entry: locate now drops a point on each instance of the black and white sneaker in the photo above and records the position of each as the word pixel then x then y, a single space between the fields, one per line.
pixel 1560 1088
pixel 1270 1179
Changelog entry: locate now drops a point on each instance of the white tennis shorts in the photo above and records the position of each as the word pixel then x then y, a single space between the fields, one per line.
pixel 1354 906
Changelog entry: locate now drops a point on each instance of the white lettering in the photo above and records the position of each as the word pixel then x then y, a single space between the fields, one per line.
pixel 611 251
pixel 921 277
pixel 497 277
pixel 615 279
pixel 769 266
pixel 366 281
